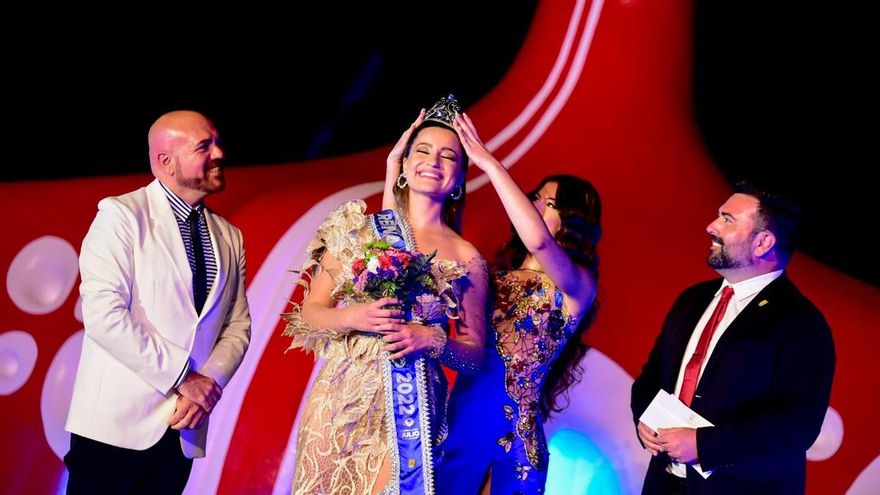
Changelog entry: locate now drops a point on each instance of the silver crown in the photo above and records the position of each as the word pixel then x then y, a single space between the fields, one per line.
pixel 444 111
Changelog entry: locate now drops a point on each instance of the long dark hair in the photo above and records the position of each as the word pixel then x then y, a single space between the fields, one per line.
pixel 580 210
pixel 452 208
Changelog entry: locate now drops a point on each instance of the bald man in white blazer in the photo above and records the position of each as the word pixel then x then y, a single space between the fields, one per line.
pixel 153 362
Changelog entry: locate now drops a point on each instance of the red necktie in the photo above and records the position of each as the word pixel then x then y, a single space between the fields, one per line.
pixel 692 370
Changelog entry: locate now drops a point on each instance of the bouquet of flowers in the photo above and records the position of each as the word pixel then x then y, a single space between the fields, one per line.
pixel 420 282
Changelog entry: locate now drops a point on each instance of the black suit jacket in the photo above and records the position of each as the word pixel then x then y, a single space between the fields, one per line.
pixel 765 387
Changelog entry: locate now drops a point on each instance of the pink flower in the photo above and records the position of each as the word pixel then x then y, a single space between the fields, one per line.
pixel 360 281
pixel 385 261
pixel 358 266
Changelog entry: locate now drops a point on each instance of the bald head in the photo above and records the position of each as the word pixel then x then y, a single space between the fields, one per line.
pixel 185 154
pixel 169 129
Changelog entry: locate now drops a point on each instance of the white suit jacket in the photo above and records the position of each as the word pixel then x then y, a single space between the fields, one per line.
pixel 140 323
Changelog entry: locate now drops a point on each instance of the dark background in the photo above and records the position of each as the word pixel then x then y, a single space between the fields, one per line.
pixel 776 91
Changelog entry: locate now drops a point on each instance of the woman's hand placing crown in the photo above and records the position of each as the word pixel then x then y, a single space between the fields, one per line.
pixel 473 145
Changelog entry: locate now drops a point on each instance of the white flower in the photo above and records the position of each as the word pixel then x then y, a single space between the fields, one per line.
pixel 373 265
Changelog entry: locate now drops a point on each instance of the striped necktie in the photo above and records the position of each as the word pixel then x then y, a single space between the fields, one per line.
pixel 200 278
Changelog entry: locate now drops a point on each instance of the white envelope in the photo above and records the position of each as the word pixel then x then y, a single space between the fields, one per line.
pixel 666 411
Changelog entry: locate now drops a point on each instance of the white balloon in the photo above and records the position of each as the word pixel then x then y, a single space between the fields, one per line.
pixel 829 439
pixel 42 274
pixel 868 481
pixel 57 391
pixel 18 355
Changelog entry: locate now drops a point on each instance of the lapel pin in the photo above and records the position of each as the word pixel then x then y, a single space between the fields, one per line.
pixel 762 303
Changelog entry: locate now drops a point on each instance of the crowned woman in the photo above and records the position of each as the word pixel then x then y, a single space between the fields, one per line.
pixel 374 420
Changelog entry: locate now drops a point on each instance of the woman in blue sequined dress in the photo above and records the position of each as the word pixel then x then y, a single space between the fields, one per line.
pixel 545 288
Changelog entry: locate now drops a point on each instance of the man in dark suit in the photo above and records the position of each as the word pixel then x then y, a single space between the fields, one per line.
pixel 761 373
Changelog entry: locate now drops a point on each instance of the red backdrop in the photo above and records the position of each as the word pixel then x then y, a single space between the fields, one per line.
pixel 614 107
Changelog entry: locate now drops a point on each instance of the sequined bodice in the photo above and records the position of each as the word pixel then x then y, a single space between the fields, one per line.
pixel 531 327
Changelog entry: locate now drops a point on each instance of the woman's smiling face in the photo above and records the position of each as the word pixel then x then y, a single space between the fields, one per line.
pixel 434 162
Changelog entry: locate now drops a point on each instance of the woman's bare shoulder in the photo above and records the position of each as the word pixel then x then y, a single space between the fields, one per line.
pixel 468 254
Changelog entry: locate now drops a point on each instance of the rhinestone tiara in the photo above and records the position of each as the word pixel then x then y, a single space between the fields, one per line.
pixel 444 111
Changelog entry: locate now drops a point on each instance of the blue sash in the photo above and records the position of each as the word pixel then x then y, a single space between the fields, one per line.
pixel 406 396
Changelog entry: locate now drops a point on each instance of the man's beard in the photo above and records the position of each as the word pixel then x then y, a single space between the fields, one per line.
pixel 208 185
pixel 723 260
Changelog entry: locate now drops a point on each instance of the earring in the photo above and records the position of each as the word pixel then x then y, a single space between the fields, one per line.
pixel 404 183
pixel 456 193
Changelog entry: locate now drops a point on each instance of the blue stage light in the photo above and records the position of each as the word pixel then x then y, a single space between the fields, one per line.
pixel 577 467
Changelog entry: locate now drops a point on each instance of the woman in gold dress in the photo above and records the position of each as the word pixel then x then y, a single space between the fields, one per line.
pixel 358 431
